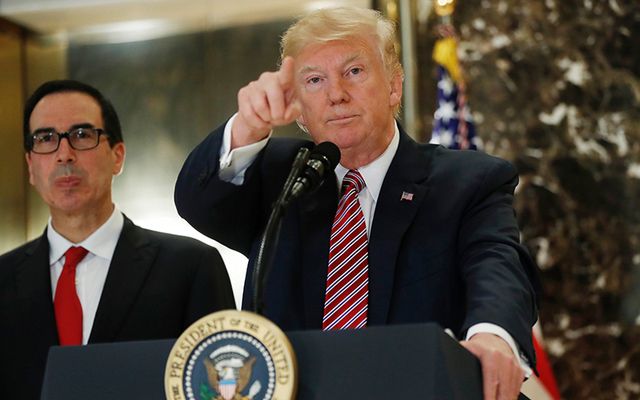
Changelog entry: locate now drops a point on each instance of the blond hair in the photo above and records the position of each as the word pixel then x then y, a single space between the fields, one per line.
pixel 342 23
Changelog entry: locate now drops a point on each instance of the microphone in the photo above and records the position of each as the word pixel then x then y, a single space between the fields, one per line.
pixel 323 158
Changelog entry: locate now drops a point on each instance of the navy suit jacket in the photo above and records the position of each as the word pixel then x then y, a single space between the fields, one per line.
pixel 157 285
pixel 450 255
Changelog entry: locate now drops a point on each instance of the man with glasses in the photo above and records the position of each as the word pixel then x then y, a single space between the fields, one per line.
pixel 93 276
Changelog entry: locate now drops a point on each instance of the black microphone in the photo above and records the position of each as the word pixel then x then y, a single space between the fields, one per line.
pixel 323 158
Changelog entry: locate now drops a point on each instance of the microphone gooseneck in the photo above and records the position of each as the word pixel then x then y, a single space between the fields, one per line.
pixel 271 233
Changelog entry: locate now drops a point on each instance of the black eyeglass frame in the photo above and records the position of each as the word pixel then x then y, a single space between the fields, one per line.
pixel 68 135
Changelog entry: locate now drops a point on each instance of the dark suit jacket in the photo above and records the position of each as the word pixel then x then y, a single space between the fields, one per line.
pixel 449 255
pixel 157 285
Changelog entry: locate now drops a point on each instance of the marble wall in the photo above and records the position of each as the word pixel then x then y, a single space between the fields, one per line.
pixel 554 86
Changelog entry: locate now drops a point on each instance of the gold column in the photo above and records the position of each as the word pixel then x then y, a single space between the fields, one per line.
pixel 12 164
pixel 26 60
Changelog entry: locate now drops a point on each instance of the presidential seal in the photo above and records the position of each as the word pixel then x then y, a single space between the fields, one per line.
pixel 231 355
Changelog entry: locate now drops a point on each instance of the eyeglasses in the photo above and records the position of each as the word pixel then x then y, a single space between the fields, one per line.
pixel 48 141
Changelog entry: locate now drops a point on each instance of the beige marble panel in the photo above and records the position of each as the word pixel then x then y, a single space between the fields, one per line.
pixel 12 165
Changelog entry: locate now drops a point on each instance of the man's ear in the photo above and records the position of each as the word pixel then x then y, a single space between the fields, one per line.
pixel 395 95
pixel 27 157
pixel 119 152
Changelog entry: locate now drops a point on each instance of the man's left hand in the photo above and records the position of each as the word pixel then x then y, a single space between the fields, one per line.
pixel 502 375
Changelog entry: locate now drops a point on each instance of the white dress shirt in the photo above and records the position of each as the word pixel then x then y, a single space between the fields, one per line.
pixel 91 272
pixel 234 163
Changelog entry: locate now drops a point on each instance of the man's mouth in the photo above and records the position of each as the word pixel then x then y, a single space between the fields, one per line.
pixel 67 181
pixel 342 119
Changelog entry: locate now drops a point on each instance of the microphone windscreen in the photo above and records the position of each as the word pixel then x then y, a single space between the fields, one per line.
pixel 329 150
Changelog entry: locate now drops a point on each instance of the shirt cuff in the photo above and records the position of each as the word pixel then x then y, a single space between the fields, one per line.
pixel 486 327
pixel 234 163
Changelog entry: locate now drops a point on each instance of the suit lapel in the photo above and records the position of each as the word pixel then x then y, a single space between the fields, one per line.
pixel 317 212
pixel 130 265
pixel 33 282
pixel 401 195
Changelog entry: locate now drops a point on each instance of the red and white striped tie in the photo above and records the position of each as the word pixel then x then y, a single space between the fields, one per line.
pixel 346 296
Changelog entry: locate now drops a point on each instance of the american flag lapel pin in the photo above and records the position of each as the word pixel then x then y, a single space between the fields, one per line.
pixel 406 196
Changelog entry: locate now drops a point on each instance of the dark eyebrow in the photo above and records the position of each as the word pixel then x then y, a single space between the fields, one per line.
pixel 40 130
pixel 75 126
pixel 83 125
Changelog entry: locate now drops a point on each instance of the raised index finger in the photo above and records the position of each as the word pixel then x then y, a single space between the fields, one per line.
pixel 286 77
pixel 286 73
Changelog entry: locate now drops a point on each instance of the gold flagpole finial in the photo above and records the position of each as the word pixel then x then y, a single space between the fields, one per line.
pixel 444 8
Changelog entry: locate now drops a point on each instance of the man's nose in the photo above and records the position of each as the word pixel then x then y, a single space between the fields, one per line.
pixel 338 92
pixel 65 152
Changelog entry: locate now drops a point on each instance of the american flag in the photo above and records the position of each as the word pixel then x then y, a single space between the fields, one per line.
pixel 406 196
pixel 452 123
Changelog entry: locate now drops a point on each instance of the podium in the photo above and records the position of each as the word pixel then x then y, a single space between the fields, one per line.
pixel 401 361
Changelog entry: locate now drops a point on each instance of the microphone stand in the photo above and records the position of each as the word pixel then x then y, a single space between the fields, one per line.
pixel 269 240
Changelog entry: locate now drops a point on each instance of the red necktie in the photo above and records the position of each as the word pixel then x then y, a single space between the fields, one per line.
pixel 346 297
pixel 66 303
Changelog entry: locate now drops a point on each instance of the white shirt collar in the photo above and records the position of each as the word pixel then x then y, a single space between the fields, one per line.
pixel 374 172
pixel 101 243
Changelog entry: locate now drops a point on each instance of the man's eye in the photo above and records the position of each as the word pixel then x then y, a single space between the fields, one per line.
pixel 355 71
pixel 80 133
pixel 83 134
pixel 43 137
pixel 313 80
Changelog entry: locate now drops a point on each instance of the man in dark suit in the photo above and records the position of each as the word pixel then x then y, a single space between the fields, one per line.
pixel 437 238
pixel 130 284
